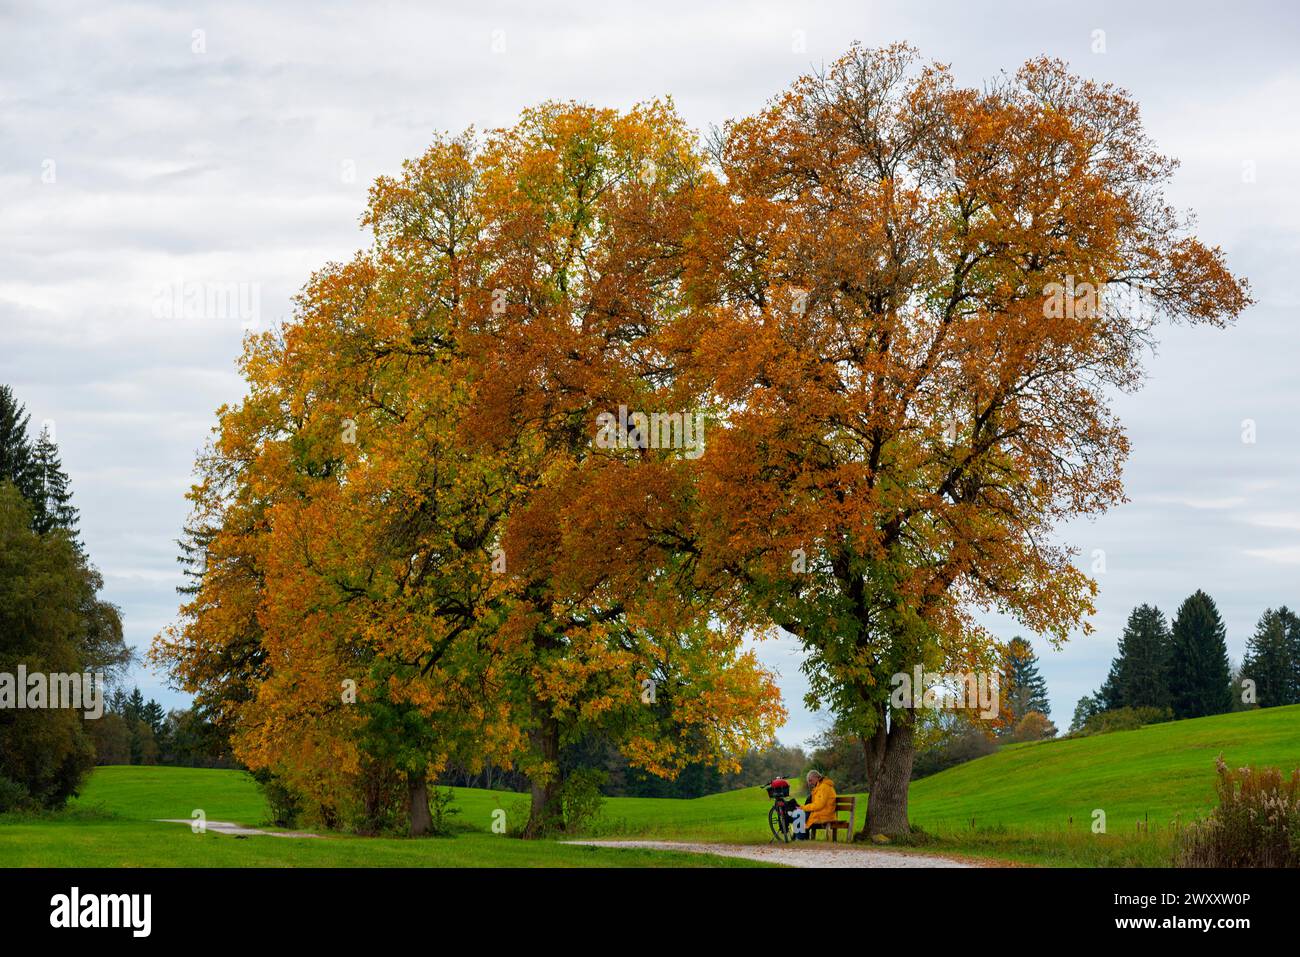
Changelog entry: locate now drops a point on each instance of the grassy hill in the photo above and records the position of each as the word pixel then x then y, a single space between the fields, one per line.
pixel 1029 802
pixel 1162 770
pixel 1035 802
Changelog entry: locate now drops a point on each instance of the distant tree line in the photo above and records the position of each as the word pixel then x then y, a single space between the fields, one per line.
pixel 1181 670
pixel 135 731
pixel 618 778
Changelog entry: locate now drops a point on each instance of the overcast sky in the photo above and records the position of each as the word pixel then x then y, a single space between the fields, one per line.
pixel 148 147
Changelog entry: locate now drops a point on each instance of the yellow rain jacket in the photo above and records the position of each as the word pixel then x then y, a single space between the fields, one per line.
pixel 821 804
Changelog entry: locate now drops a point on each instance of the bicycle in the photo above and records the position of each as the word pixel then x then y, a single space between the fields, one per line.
pixel 778 816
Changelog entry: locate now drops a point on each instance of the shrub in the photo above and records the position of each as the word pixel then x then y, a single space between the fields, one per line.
pixel 441 811
pixel 1123 719
pixel 967 746
pixel 1257 822
pixel 581 798
pixel 1034 726
pixel 284 803
pixel 13 796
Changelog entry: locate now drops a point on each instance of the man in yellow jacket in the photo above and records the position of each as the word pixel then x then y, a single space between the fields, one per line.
pixel 821 802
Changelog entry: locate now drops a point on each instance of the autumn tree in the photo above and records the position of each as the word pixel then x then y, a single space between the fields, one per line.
pixel 924 297
pixel 346 532
pixel 408 500
pixel 595 216
pixel 1034 726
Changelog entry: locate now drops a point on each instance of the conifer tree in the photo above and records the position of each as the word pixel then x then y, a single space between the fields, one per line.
pixel 1268 660
pixel 1024 689
pixel 1200 676
pixel 1291 624
pixel 15 445
pixel 1139 675
pixel 48 489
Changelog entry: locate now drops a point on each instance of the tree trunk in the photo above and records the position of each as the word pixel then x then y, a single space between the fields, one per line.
pixel 874 747
pixel 887 804
pixel 372 798
pixel 546 815
pixel 418 789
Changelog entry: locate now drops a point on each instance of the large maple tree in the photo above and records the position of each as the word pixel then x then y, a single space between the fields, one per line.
pixel 924 297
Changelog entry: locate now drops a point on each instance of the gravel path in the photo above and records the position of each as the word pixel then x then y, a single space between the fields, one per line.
pixel 236 830
pixel 792 855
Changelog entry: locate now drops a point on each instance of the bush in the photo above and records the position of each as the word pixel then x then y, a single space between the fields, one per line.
pixel 1123 719
pixel 441 811
pixel 284 803
pixel 970 744
pixel 1257 822
pixel 1034 726
pixel 13 796
pixel 581 798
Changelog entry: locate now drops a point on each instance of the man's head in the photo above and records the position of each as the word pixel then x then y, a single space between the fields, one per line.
pixel 813 778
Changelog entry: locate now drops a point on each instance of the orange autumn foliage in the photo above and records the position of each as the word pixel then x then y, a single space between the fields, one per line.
pixel 909 375
pixel 901 308
pixel 382 508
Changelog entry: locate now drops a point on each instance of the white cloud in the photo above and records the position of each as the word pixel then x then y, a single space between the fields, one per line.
pixel 1282 556
pixel 226 166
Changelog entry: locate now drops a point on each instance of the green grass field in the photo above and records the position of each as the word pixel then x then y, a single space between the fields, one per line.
pixel 1031 803
pixel 114 824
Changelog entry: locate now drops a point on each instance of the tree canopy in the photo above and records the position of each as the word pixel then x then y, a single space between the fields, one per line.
pixel 462 478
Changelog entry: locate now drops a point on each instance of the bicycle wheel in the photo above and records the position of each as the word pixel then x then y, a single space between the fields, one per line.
pixel 776 820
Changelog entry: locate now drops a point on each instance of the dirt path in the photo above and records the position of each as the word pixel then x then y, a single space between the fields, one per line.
pixel 793 855
pixel 236 830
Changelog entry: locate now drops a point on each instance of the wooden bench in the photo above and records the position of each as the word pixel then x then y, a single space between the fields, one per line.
pixel 849 804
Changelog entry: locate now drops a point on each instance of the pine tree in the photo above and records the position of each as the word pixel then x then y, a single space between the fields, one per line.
pixel 135 706
pixel 1199 674
pixel 1107 697
pixel 1139 676
pixel 155 717
pixel 15 445
pixel 49 490
pixel 1024 689
pixel 1291 623
pixel 1268 660
pixel 193 558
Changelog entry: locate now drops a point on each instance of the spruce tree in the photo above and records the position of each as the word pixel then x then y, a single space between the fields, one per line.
pixel 193 558
pixel 135 706
pixel 1268 660
pixel 1107 697
pixel 1199 675
pixel 1139 675
pixel 49 490
pixel 155 717
pixel 1291 623
pixel 15 445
